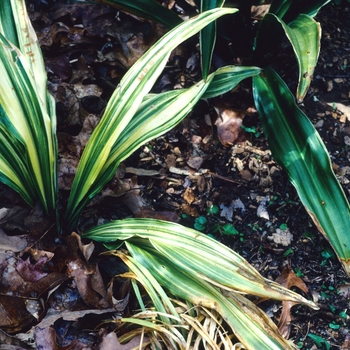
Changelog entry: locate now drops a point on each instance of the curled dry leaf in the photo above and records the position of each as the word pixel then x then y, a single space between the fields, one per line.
pixel 189 196
pixel 31 272
pixel 229 124
pixel 288 279
pixel 86 249
pixel 258 12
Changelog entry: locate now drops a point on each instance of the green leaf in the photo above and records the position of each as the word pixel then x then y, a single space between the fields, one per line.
pixel 319 341
pixel 149 9
pixel 195 251
pixel 252 327
pixel 296 145
pixel 120 110
pixel 227 78
pixel 288 10
pixel 28 122
pixel 304 34
pixel 207 36
pixel 229 229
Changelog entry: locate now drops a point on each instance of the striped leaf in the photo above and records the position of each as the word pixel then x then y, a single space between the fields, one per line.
pixel 296 145
pixel 120 110
pixel 28 121
pixel 249 324
pixel 149 9
pixel 207 36
pixel 198 253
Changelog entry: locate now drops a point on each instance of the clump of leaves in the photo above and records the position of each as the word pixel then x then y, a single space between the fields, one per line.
pixel 187 262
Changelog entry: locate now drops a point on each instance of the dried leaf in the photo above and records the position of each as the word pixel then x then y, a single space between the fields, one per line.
pixel 45 338
pixel 258 12
pixel 283 237
pixel 288 279
pixel 86 249
pixel 31 272
pixel 189 196
pixel 11 244
pixel 229 124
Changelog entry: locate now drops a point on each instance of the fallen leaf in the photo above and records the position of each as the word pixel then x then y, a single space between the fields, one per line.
pixel 31 272
pixel 195 162
pixel 11 244
pixel 342 108
pixel 189 196
pixel 86 249
pixel 259 11
pixel 45 338
pixel 109 341
pixel 283 237
pixel 288 279
pixel 229 124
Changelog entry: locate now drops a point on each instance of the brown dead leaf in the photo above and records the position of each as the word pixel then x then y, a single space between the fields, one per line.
pixel 189 196
pixel 187 209
pixel 12 283
pixel 229 124
pixel 288 279
pixel 86 276
pixel 86 249
pixel 45 338
pixel 195 162
pixel 31 272
pixel 109 341
pixel 10 245
pixel 88 282
pixel 14 315
pixel 258 12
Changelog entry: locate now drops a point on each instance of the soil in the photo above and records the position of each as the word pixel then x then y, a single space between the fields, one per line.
pixel 237 194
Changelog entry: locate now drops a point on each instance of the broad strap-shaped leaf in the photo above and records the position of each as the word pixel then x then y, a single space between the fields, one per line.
pixel 207 37
pixel 196 252
pixel 288 10
pixel 28 123
pixel 123 105
pixel 304 34
pixel 296 145
pixel 251 326
pixel 149 9
pixel 227 78
pixel 158 114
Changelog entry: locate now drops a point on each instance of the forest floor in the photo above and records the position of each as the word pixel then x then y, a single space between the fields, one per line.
pixel 195 174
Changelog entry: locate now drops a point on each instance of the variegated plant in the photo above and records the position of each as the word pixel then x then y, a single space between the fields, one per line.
pixel 186 263
pixel 294 143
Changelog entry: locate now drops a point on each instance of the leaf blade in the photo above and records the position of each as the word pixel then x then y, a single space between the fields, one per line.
pixel 296 145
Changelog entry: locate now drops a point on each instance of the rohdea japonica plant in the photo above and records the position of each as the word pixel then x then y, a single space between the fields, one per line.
pixel 195 286
pixel 294 142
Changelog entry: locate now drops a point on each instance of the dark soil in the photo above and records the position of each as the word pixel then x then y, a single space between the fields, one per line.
pixel 192 178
